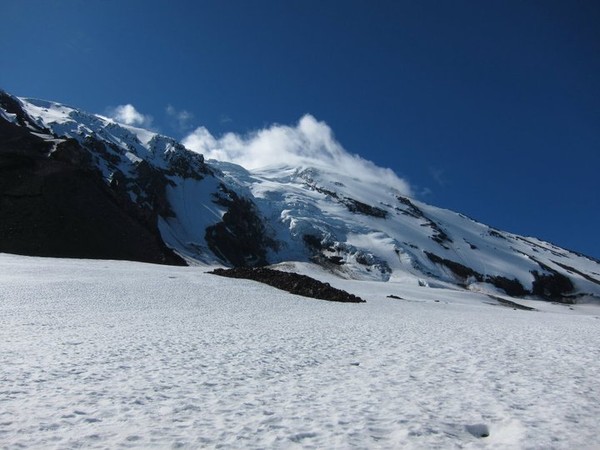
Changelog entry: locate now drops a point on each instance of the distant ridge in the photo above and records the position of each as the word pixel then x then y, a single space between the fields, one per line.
pixel 81 185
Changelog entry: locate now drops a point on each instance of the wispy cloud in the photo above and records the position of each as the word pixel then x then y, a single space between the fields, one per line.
pixel 309 143
pixel 181 119
pixel 225 119
pixel 439 175
pixel 128 115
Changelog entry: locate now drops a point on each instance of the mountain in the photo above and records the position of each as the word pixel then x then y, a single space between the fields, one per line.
pixel 81 185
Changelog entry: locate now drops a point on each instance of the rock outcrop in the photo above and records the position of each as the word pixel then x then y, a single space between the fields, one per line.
pixel 291 282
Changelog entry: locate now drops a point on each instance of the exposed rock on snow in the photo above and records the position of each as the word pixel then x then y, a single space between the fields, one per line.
pixel 241 237
pixel 291 282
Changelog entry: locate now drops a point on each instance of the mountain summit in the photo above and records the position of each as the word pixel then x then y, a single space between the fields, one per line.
pixel 82 185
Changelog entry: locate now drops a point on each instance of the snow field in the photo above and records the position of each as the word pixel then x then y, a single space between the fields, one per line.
pixel 104 354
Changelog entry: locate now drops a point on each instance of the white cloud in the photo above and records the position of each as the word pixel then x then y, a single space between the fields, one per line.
pixel 128 115
pixel 309 143
pixel 182 118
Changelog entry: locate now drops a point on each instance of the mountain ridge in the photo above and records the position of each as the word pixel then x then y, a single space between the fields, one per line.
pixel 213 212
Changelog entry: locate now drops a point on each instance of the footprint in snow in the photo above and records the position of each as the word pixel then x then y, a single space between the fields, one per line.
pixel 479 430
pixel 300 436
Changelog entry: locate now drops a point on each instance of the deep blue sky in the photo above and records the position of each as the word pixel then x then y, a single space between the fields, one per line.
pixel 491 109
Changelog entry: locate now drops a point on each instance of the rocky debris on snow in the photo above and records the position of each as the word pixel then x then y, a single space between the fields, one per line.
pixel 570 269
pixel 241 237
pixel 550 285
pixel 291 282
pixel 332 254
pixel 410 209
pixel 513 287
pixel 510 303
pixel 353 205
pixel 461 271
pixel 553 286
pixel 362 208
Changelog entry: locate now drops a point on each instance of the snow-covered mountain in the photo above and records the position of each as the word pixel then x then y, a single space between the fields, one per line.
pixel 78 184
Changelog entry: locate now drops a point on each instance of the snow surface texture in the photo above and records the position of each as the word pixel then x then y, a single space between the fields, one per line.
pixel 103 354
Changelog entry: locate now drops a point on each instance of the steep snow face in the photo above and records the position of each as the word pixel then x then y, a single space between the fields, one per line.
pixel 129 145
pixel 155 171
pixel 369 230
pixel 195 211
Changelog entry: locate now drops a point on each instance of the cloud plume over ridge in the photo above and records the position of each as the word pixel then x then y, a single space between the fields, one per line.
pixel 129 115
pixel 308 144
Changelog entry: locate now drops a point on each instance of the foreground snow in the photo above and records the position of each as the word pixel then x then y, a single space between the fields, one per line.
pixel 103 354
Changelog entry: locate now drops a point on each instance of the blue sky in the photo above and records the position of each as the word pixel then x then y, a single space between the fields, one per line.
pixel 491 109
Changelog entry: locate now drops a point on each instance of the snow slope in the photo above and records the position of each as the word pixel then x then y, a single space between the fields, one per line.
pixel 373 231
pixel 135 159
pixel 104 354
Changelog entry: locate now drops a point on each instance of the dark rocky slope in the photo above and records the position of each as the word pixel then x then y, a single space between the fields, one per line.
pixel 291 282
pixel 55 204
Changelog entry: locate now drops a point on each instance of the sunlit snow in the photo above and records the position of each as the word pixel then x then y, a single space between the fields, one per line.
pixel 103 354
